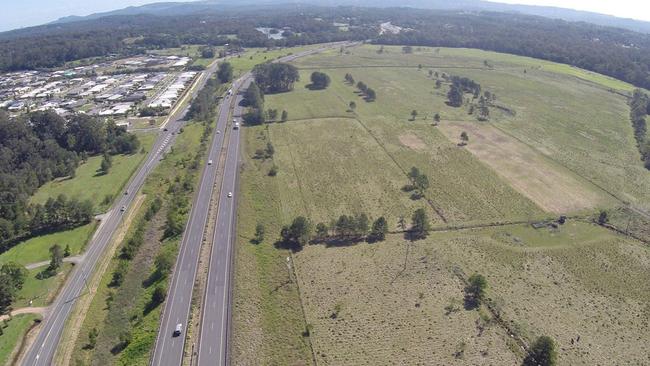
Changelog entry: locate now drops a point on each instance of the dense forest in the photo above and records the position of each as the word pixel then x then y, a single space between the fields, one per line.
pixel 619 53
pixel 41 146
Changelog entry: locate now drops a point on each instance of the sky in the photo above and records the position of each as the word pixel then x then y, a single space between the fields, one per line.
pixel 24 13
pixel 635 9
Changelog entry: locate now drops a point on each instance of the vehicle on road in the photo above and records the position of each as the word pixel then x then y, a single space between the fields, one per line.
pixel 229 194
pixel 178 330
pixel 123 209
pixel 165 129
pixel 126 193
pixel 210 162
pixel 218 132
pixel 236 125
pixel 229 91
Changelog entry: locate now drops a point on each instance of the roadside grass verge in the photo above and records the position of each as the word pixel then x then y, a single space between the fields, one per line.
pixel 15 330
pixel 37 249
pixel 89 184
pixel 118 312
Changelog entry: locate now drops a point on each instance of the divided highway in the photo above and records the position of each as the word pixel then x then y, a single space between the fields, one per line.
pixel 44 347
pixel 213 345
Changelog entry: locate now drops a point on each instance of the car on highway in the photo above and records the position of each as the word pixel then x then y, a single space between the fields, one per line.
pixel 210 162
pixel 218 132
pixel 236 125
pixel 229 194
pixel 123 209
pixel 178 330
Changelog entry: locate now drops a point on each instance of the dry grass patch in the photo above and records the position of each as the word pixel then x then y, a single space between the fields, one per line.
pixel 412 141
pixel 550 186
pixel 372 304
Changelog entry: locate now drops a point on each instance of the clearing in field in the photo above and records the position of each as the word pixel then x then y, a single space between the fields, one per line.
pixel 552 187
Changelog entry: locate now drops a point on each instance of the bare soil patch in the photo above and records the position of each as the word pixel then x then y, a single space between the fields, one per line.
pixel 412 141
pixel 552 187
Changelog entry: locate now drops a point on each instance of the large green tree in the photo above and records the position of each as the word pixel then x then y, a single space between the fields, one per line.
pixel 542 353
pixel 420 225
pixel 276 77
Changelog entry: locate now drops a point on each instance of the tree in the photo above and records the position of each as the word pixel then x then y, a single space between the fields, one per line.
pixel 420 225
pixel 362 86
pixel 270 150
pixel 455 96
pixel 379 230
pixel 225 72
pixel 353 106
pixel 157 297
pixel 285 116
pixel 276 77
pixel 349 79
pixel 414 114
pixel 438 83
pixel 421 183
pixel 207 52
pixel 603 217
pixel 299 232
pixel 92 338
pixel 361 224
pixel 319 80
pixel 475 289
pixel 464 138
pixel 370 95
pixel 164 263
pixel 254 117
pixel 66 251
pixel 272 114
pixel 273 171
pixel 253 97
pixel 436 117
pixel 16 273
pixel 407 49
pixel 542 353
pixel 106 164
pixel 430 73
pixel 322 231
pixel 259 233
pixel 56 258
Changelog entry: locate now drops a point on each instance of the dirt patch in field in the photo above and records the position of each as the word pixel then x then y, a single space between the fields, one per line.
pixel 552 187
pixel 411 141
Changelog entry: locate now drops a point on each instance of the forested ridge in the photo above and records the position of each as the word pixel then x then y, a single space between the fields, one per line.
pixel 39 147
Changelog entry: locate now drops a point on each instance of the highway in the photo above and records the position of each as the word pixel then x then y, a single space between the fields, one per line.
pixel 43 348
pixel 212 349
pixel 215 320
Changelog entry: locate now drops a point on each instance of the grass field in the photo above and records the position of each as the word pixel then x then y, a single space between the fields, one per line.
pixel 253 56
pixel 37 249
pixel 41 291
pixel 13 333
pixel 88 184
pixel 399 302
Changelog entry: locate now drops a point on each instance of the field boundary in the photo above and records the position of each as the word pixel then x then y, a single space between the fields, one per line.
pixel 433 205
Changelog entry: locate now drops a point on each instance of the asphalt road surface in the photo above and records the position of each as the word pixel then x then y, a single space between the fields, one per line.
pixel 44 347
pixel 212 349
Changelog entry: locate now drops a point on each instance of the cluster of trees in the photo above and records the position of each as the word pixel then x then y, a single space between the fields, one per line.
pixel 275 77
pixel 460 86
pixel 542 352
pixel 39 147
pixel 351 228
pixel 203 106
pixel 147 111
pixel 256 115
pixel 12 278
pixel 319 80
pixel 639 108
pixel 369 94
pixel 419 183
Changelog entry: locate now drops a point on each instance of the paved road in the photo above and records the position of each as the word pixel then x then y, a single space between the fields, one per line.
pixel 169 349
pixel 44 347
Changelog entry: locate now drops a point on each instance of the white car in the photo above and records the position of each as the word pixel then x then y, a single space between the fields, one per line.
pixel 178 330
pixel 123 209
pixel 229 194
pixel 218 132
pixel 210 162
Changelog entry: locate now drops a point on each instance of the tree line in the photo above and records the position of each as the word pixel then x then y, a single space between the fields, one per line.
pixel 369 94
pixel 639 109
pixel 256 115
pixel 351 228
pixel 41 146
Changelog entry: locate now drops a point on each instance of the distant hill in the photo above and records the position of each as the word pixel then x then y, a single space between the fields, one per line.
pixel 187 8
